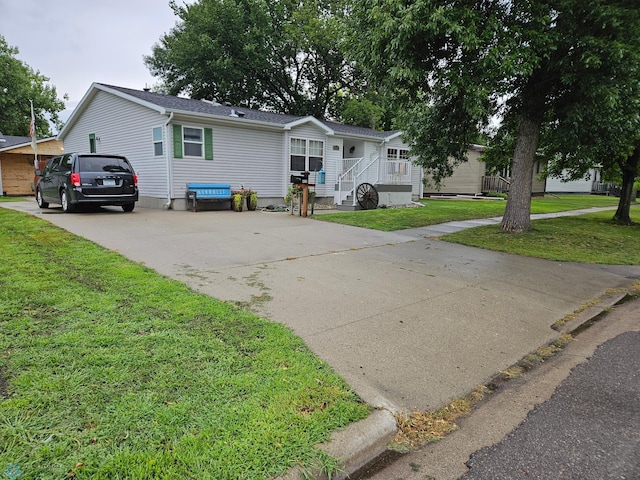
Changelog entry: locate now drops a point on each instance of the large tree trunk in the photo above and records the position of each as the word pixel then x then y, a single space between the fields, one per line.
pixel 517 213
pixel 629 173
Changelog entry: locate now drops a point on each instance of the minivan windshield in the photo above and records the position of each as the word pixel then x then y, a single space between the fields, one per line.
pixel 104 164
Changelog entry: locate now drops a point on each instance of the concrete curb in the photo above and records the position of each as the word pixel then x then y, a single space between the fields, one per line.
pixel 355 446
pixel 361 442
pixel 598 306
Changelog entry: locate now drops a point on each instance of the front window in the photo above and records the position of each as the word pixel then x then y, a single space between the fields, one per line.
pixel 306 155
pixel 193 141
pixel 158 149
pixel 397 154
pixel 397 161
pixel 316 153
pixel 298 154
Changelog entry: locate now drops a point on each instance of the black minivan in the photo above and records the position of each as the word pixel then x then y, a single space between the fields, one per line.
pixel 76 179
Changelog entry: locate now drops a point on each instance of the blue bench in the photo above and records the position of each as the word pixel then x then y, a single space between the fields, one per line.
pixel 206 192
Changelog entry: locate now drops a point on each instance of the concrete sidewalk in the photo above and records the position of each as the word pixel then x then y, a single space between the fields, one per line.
pixel 408 321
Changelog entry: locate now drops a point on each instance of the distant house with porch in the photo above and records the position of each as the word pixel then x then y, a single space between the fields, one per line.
pixel 472 178
pixel 591 184
pixel 17 162
pixel 172 141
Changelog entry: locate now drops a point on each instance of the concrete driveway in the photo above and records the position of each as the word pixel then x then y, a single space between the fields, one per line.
pixel 410 322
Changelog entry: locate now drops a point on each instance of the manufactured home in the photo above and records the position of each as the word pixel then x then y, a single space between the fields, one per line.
pixel 172 141
pixel 472 178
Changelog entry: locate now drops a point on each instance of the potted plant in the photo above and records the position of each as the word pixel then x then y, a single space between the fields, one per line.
pixel 252 200
pixel 293 195
pixel 237 200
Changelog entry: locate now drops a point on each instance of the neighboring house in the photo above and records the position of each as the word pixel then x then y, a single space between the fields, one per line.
pixel 17 162
pixel 593 184
pixel 471 178
pixel 172 141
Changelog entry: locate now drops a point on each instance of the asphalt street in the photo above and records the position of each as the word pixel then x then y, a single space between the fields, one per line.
pixel 588 430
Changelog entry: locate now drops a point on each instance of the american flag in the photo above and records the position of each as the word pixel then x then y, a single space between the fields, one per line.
pixel 32 134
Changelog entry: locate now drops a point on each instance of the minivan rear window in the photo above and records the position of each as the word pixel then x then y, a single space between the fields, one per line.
pixel 104 164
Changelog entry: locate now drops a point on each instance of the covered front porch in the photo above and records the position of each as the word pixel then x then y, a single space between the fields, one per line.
pixel 369 182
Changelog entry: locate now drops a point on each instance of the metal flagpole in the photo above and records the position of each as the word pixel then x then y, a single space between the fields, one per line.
pixel 32 134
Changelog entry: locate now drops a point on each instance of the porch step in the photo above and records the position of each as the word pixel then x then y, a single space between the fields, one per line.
pixel 347 205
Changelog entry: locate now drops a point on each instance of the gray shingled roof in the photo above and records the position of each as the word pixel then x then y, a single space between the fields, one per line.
pixel 12 141
pixel 199 106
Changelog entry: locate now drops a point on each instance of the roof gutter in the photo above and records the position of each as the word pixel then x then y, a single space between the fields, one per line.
pixel 221 120
pixel 167 158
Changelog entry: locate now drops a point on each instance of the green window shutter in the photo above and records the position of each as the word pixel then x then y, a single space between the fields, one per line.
pixel 177 140
pixel 208 144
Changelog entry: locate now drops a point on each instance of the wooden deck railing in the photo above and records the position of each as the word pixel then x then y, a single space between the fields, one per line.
pixel 600 188
pixel 495 184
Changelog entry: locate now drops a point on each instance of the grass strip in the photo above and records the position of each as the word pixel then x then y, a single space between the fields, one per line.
pixel 109 370
pixel 437 211
pixel 590 238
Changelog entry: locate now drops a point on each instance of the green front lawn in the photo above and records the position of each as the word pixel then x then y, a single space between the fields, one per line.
pixel 109 370
pixel 591 238
pixel 437 211
pixel 12 199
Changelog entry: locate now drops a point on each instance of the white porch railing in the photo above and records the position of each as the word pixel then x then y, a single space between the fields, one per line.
pixel 395 172
pixel 373 171
pixel 346 180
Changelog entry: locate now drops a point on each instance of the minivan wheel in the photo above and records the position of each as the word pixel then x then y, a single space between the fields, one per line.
pixel 128 207
pixel 67 207
pixel 40 200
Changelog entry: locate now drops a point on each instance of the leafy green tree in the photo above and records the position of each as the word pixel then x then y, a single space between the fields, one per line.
pixel 368 109
pixel 19 83
pixel 283 56
pixel 362 112
pixel 542 68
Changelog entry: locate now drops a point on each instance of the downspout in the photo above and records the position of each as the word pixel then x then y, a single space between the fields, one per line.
pixel 167 157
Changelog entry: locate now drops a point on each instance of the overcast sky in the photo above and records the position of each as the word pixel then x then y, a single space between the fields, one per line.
pixel 78 42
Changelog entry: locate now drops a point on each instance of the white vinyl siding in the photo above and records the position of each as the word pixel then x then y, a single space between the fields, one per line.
pixel 243 156
pixel 123 128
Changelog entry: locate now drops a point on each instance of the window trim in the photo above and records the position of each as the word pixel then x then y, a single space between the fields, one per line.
pixel 178 142
pixel 192 142
pixel 306 142
pixel 156 142
pixel 400 153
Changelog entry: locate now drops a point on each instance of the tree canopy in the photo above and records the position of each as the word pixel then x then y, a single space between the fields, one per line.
pixel 19 83
pixel 285 56
pixel 541 75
